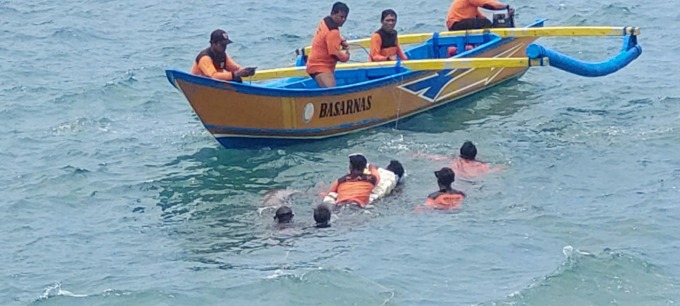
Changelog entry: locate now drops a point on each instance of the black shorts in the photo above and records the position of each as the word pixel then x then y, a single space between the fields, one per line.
pixel 471 24
pixel 313 75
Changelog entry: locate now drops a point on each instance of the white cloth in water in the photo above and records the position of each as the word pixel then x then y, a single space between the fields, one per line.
pixel 388 180
pixel 330 198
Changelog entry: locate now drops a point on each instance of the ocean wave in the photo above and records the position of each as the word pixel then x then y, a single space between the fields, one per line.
pixel 56 295
pixel 82 124
pixel 610 277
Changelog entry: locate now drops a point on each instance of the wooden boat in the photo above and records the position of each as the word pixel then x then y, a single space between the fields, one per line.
pixel 283 106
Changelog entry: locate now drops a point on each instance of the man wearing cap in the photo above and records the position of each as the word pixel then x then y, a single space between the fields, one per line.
pixel 213 62
pixel 446 197
pixel 355 187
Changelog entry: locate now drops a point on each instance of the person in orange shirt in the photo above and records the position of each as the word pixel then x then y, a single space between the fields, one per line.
pixel 213 62
pixel 446 197
pixel 328 47
pixel 384 42
pixel 465 14
pixel 466 165
pixel 355 187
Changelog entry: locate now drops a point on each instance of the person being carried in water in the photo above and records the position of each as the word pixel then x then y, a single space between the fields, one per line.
pixel 213 62
pixel 385 42
pixel 465 14
pixel 446 197
pixel 388 179
pixel 322 216
pixel 355 187
pixel 328 47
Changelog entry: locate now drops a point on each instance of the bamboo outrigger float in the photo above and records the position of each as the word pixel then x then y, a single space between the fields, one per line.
pixel 282 106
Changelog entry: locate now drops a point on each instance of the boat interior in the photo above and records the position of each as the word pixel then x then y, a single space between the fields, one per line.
pixel 434 48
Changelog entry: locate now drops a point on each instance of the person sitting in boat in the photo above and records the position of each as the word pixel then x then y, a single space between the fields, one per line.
pixel 328 47
pixel 354 188
pixel 388 178
pixel 465 14
pixel 384 42
pixel 446 197
pixel 213 62
pixel 322 216
pixel 284 215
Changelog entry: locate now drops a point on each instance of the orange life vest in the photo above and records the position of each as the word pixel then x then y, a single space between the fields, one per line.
pixel 445 199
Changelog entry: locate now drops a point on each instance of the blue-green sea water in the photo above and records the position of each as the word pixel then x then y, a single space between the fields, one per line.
pixel 113 193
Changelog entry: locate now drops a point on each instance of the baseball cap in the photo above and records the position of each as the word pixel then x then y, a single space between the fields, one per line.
pixel 219 36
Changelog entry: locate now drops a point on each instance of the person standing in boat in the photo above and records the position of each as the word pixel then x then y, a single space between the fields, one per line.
pixel 328 47
pixel 384 42
pixel 213 62
pixel 465 14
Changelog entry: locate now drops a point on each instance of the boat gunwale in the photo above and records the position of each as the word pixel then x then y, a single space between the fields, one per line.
pixel 256 89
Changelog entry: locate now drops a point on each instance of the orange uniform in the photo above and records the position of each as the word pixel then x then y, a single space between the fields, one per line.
pixel 326 50
pixel 467 9
pixel 469 168
pixel 216 66
pixel 354 189
pixel 384 45
pixel 445 199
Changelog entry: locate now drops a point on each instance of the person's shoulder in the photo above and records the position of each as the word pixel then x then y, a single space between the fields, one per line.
pixel 456 191
pixel 435 194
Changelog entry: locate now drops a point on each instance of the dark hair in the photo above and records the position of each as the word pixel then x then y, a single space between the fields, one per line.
pixel 358 162
pixel 396 167
pixel 284 214
pixel 468 150
pixel 386 13
pixel 322 214
pixel 445 176
pixel 339 7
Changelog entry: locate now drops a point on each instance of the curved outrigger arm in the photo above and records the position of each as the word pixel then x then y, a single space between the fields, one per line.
pixel 630 51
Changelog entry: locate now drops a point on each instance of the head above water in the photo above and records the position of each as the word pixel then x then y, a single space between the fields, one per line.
pixel 468 150
pixel 339 13
pixel 396 168
pixel 357 162
pixel 219 39
pixel 445 176
pixel 284 215
pixel 388 18
pixel 322 215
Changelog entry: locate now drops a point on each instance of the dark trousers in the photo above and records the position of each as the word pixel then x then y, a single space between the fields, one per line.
pixel 471 24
